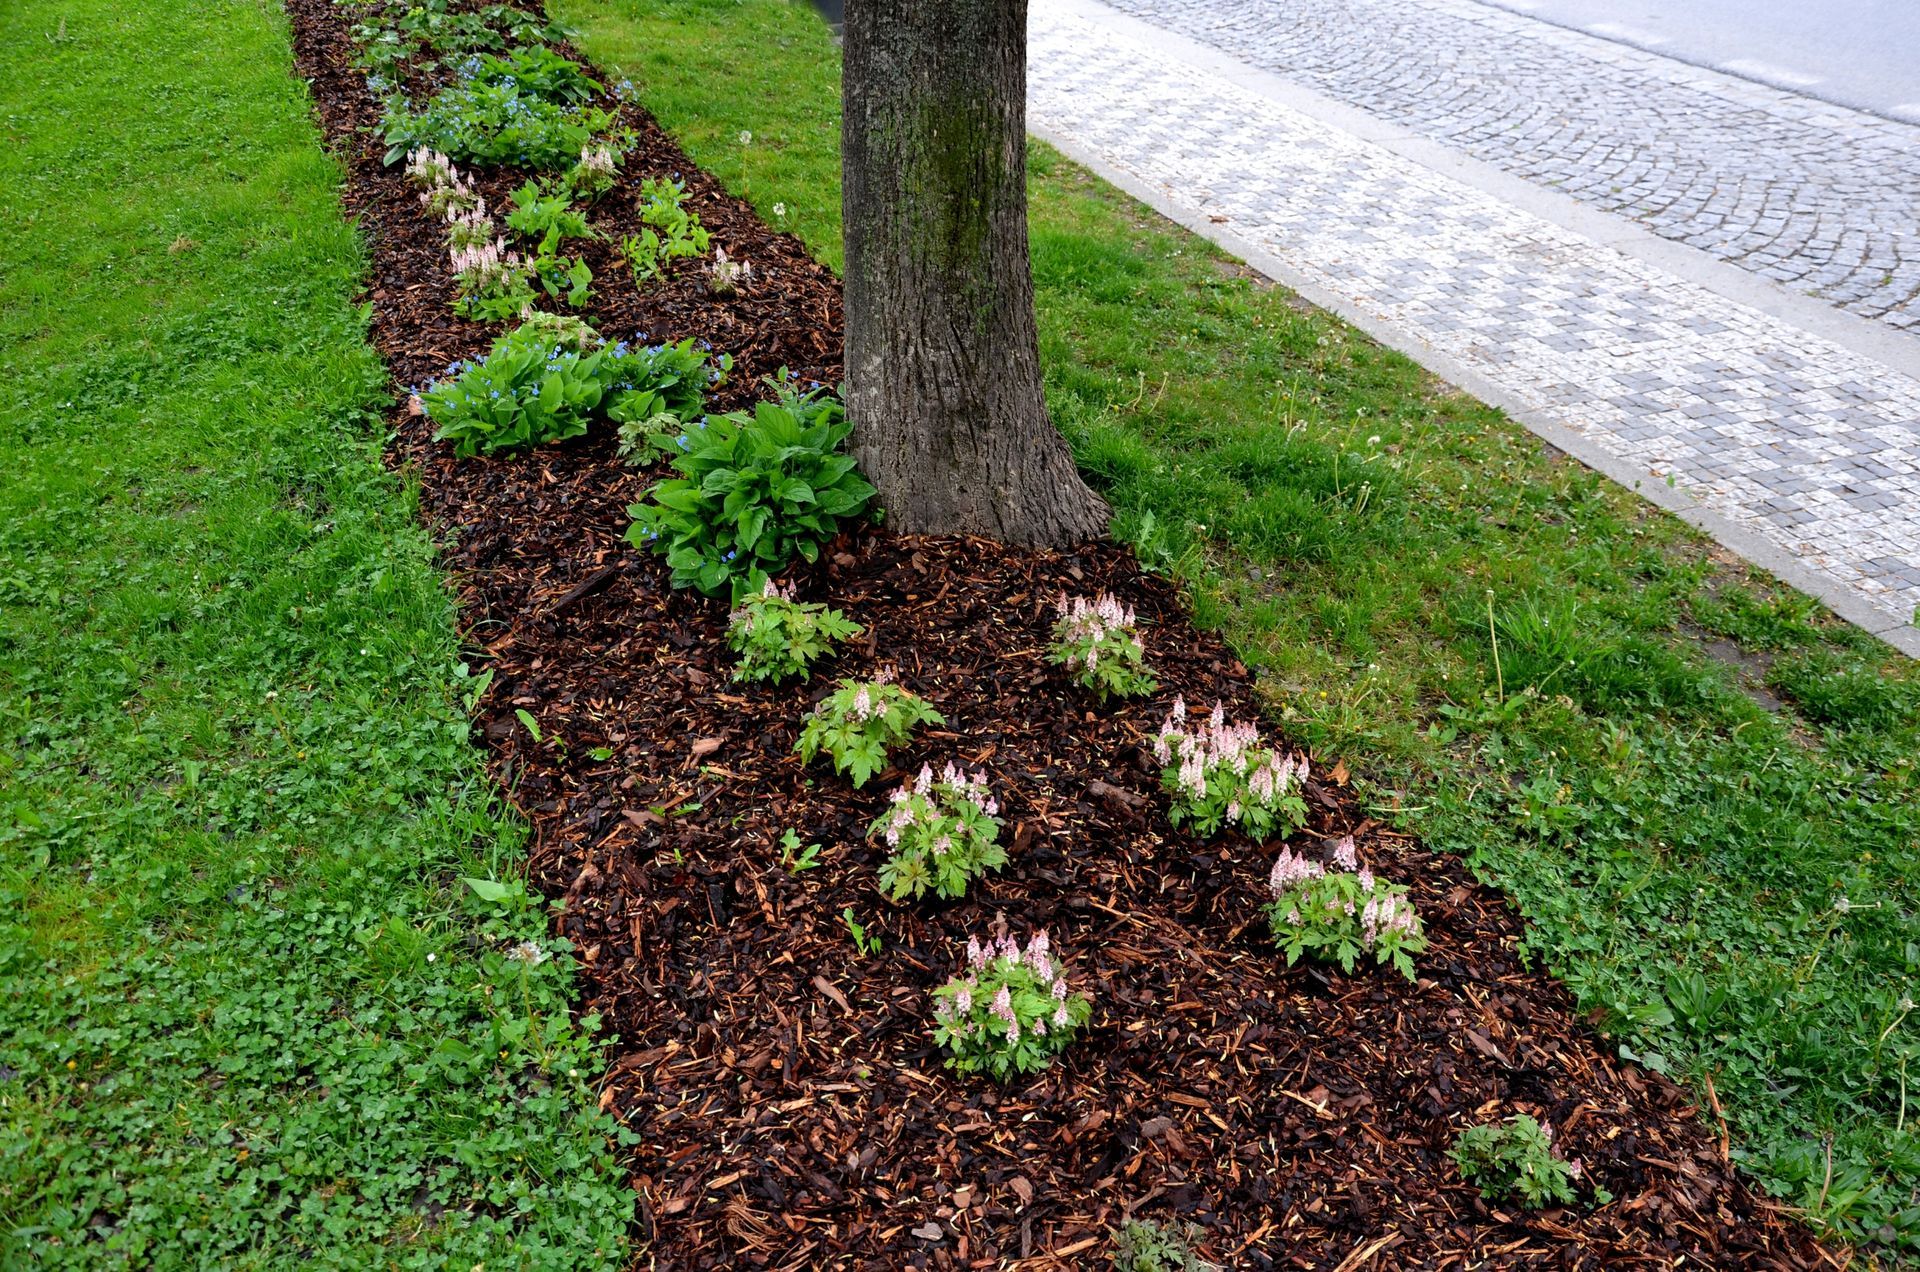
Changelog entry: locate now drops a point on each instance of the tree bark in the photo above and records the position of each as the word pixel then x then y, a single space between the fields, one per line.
pixel 942 357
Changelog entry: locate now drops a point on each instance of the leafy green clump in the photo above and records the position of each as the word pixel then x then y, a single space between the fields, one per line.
pixel 754 492
pixel 536 386
pixel 546 217
pixel 1141 1245
pixel 400 32
pixel 529 110
pixel 859 722
pixel 1011 1013
pixel 668 230
pixel 942 835
pixel 1515 1161
pixel 777 636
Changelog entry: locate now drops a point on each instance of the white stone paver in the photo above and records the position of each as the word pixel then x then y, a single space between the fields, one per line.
pixel 1801 441
pixel 1817 196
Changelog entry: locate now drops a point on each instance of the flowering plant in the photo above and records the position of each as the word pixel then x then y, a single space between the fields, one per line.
pixel 591 178
pixel 548 378
pixel 1219 775
pixel 490 282
pixel 443 191
pixel 1341 914
pixel 1517 1160
pixel 777 636
pixel 727 276
pixel 944 834
pixel 469 228
pixel 860 721
pixel 1097 641
pixel 1010 1013
pixel 428 168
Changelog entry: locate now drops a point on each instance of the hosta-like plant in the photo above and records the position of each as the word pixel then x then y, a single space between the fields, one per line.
pixel 529 109
pixel 777 636
pixel 941 834
pixel 754 492
pixel 1098 642
pixel 1515 1161
pixel 545 382
pixel 1219 775
pixel 1011 1012
pixel 1342 915
pixel 538 70
pixel 859 722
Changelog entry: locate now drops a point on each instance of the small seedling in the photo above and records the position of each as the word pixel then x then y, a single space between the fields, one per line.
pixel 857 931
pixel 794 857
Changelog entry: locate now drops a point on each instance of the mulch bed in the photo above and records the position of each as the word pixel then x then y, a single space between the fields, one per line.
pixel 791 1109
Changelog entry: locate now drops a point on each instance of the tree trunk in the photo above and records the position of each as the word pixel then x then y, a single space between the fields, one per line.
pixel 943 361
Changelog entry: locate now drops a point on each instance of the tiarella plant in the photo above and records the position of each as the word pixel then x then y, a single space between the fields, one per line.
pixel 726 276
pixel 777 636
pixel 594 174
pixel 469 229
pixel 1515 1161
pixel 1141 1245
pixel 668 230
pixel 1098 642
pixel 427 168
pixel 1340 915
pixel 491 282
pixel 754 491
pixel 544 382
pixel 941 834
pixel 1010 1013
pixel 1219 775
pixel 859 722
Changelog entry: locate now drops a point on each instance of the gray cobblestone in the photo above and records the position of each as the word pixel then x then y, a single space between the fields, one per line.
pixel 1791 437
pixel 1821 198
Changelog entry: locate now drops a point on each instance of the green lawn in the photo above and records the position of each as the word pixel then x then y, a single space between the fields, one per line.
pixel 251 1016
pixel 1699 787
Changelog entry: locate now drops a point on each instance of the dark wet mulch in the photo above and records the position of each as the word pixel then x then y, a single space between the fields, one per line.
pixel 790 1108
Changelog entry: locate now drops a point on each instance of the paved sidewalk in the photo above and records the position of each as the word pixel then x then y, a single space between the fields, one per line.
pixel 1779 436
pixel 1815 195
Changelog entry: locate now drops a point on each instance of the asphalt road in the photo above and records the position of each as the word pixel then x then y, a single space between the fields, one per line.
pixel 1859 53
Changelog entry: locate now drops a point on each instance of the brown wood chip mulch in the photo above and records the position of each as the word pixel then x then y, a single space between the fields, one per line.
pixel 791 1109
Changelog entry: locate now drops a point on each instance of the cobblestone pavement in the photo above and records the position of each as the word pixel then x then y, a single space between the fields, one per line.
pixel 1809 445
pixel 1817 196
